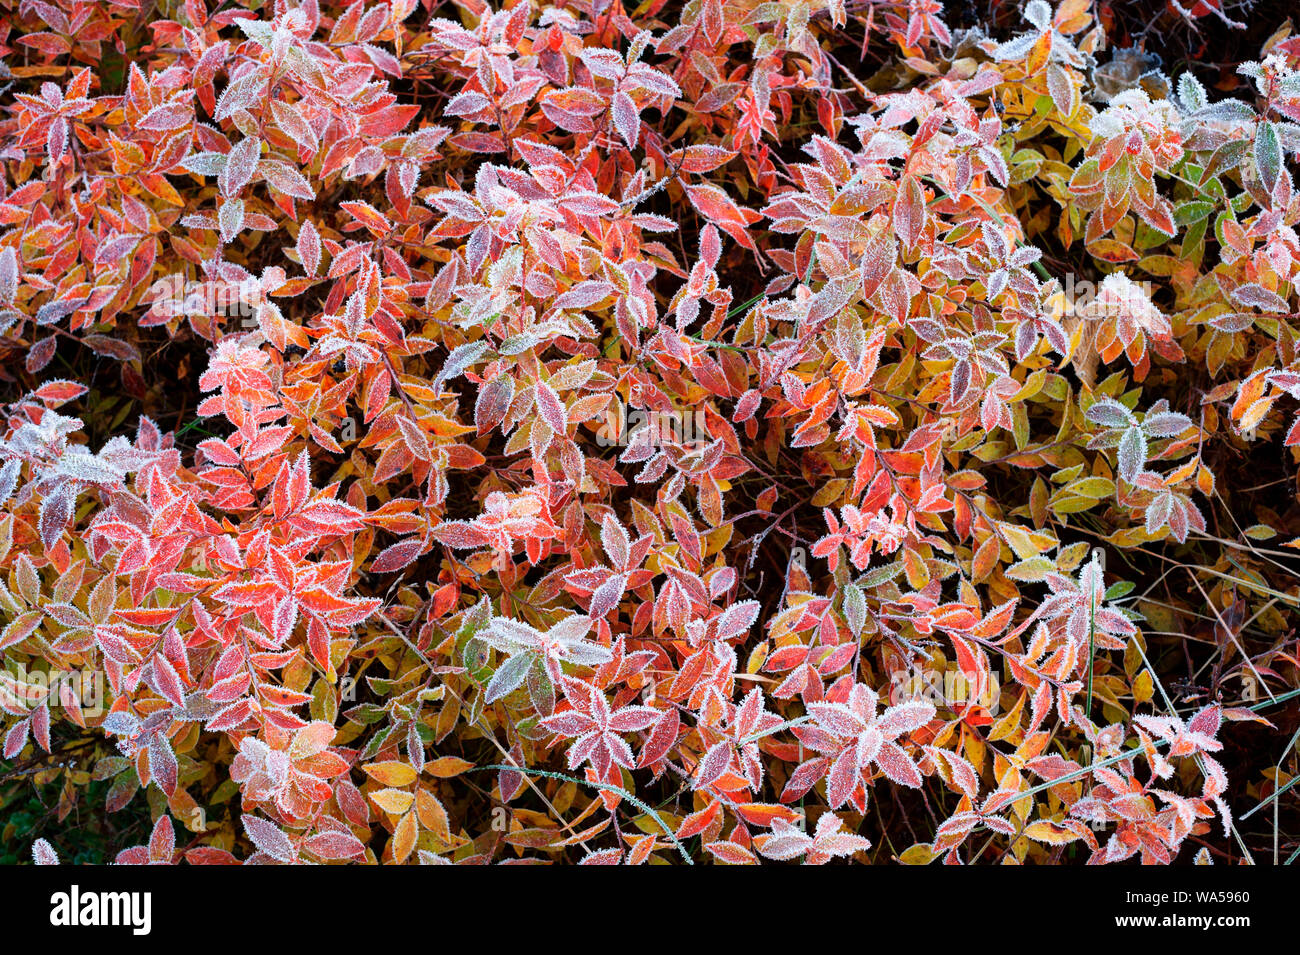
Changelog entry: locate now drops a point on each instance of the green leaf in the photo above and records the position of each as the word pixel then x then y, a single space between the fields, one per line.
pixel 1031 571
pixel 1260 532
pixel 881 575
pixel 1098 487
pixel 1268 155
pixel 1185 213
pixel 1119 589
pixel 509 676
pixel 855 609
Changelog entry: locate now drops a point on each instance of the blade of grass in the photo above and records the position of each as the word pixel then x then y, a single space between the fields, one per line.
pixel 644 807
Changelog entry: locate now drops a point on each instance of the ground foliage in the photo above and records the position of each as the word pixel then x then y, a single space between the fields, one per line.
pixel 940 557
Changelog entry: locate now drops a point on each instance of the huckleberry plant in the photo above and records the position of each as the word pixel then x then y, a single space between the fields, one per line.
pixel 460 433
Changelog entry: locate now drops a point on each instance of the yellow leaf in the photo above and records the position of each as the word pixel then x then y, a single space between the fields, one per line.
pixel 986 558
pixel 448 766
pixel 1255 413
pixel 395 801
pixel 391 773
pixel 1050 832
pixel 1009 723
pixel 1205 480
pixel 829 492
pixel 404 837
pixel 1024 542
pixel 1143 688
pixel 918 574
pixel 432 815
pixel 919 854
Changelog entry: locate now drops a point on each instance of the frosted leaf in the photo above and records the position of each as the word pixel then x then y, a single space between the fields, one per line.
pixel 627 119
pixel 9 473
pixel 831 839
pixel 713 765
pixel 162 841
pixel 339 845
pixel 162 763
pixel 584 295
pixel 1165 424
pixel 286 179
pixel 268 838
pixel 603 857
pixel 550 408
pixel 230 218
pixel 905 717
pixel 81 466
pixel 736 619
pixel 308 247
pixel 1191 93
pixel 606 597
pixel 460 359
pixel 897 765
pixel 606 64
pixel 1109 413
pixel 460 534
pixel 1039 14
pixel 1268 155
pixel 570 630
pixel 241 161
pixel 43 853
pixel 1132 454
pixel 786 842
pixel 504 633
pixel 204 163
pixel 615 541
pixel 1016 49
pixel 120 723
pixel 56 511
pixel 508 677
pixel 1254 295
pixel 8 275
pixel 259 31
pixel 466 104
